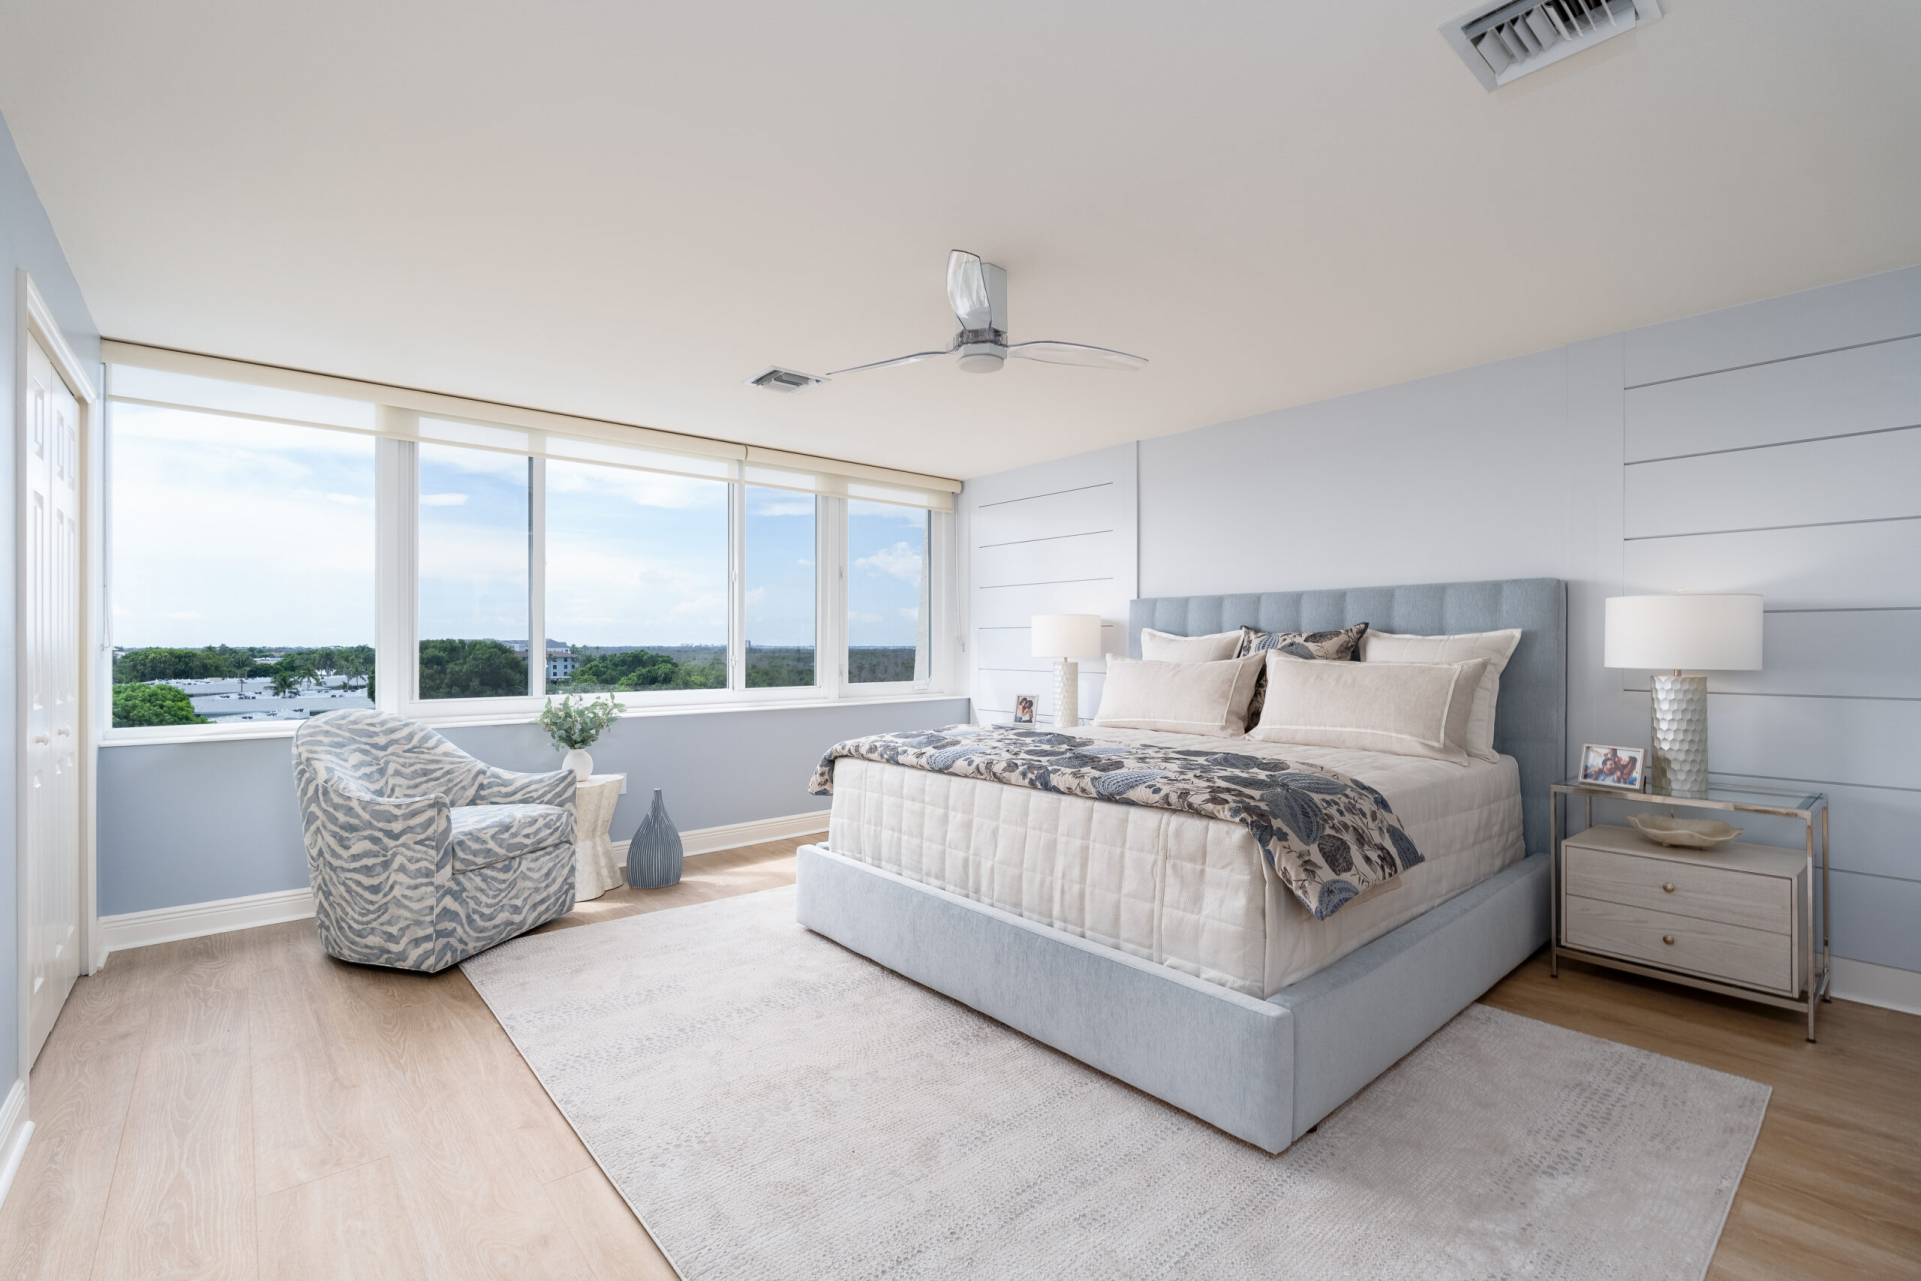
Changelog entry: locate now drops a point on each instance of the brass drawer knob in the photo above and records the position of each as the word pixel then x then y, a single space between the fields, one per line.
pixel 1668 888
pixel 1668 939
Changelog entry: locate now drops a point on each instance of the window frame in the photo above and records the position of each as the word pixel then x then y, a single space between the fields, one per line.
pixel 396 609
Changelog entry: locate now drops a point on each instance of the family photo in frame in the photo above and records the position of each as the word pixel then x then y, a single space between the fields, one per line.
pixel 1622 767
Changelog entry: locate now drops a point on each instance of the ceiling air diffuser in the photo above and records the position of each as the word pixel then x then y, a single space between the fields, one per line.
pixel 1505 42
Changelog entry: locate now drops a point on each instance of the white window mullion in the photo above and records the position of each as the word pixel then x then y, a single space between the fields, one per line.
pixel 396 570
pixel 830 659
pixel 736 586
pixel 537 577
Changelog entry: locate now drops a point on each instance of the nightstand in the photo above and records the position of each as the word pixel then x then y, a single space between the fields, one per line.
pixel 1737 919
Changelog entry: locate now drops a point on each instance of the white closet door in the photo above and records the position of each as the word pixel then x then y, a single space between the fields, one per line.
pixel 51 494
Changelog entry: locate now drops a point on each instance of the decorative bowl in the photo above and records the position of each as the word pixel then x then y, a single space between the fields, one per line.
pixel 1684 833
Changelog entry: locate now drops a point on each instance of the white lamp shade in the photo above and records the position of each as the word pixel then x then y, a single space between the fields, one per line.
pixel 1067 635
pixel 1699 633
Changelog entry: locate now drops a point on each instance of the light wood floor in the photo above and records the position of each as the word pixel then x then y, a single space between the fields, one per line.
pixel 242 1106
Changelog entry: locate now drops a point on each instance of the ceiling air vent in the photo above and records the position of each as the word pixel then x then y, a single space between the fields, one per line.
pixel 1508 41
pixel 785 381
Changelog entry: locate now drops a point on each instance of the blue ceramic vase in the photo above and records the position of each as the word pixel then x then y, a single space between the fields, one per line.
pixel 654 855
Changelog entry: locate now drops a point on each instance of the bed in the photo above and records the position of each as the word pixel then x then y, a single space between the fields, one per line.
pixel 1155 945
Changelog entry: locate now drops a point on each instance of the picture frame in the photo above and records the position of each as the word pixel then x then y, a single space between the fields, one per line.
pixel 1024 709
pixel 1621 768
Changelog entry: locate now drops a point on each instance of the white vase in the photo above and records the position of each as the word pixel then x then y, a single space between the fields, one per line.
pixel 579 762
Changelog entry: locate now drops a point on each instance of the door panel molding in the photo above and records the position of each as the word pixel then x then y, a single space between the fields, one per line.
pixel 34 324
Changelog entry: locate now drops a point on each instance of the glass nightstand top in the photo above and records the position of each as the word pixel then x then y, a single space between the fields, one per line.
pixel 1721 796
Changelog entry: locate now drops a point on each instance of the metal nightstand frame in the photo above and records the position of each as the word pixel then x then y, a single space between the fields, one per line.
pixel 1810 804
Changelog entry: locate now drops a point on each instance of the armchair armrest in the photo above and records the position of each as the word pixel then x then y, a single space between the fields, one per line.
pixel 391 838
pixel 506 787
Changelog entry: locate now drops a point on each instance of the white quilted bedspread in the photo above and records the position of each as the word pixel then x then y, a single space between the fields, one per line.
pixel 1189 892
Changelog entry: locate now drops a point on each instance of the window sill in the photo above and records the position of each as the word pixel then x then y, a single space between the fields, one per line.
pixel 160 736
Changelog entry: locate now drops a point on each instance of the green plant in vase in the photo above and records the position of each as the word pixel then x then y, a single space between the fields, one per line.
pixel 574 724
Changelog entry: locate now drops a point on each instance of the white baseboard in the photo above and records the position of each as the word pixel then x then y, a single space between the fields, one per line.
pixel 729 836
pixel 15 1130
pixel 196 920
pixel 1881 985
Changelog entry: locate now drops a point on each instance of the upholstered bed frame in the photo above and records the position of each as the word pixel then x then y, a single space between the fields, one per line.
pixel 1265 1071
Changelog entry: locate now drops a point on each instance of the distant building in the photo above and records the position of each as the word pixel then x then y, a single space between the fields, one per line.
pixel 561 665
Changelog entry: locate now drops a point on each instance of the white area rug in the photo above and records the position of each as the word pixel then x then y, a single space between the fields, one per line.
pixel 774 1106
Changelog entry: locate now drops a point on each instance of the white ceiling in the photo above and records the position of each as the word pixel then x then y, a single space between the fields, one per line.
pixel 624 210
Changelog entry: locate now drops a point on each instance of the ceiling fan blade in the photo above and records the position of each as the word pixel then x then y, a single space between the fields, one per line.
pixel 898 360
pixel 1074 353
pixel 967 291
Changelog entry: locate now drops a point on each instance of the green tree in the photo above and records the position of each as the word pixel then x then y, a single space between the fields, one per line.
pixel 470 669
pixel 159 664
pixel 153 705
pixel 638 669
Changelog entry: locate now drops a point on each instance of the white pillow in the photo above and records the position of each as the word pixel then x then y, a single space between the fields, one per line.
pixel 1495 647
pixel 1166 647
pixel 1409 709
pixel 1179 698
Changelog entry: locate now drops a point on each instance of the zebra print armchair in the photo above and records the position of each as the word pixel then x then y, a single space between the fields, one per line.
pixel 421 855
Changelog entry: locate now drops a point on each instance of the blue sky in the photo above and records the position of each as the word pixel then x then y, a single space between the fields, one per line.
pixel 229 531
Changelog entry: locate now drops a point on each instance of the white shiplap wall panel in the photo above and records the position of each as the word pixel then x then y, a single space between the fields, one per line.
pixel 1823 482
pixel 1840 653
pixel 1850 740
pixel 1057 538
pixel 1008 649
pixel 1048 514
pixel 1874 919
pixel 1871 309
pixel 1834 566
pixel 1012 606
pixel 1858 389
pixel 1072 558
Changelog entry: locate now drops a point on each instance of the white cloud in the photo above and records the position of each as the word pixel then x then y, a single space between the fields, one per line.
pixel 345 500
pixel 911 613
pixel 900 560
pixel 804 564
pixel 442 500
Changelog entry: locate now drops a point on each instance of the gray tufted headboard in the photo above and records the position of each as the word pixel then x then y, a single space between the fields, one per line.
pixel 1530 722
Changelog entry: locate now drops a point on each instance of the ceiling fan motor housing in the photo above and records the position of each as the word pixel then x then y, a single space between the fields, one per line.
pixel 982 351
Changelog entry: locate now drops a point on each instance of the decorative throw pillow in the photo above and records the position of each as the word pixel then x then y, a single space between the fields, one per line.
pixel 1495 647
pixel 1166 647
pixel 1409 709
pixel 1179 698
pixel 1341 646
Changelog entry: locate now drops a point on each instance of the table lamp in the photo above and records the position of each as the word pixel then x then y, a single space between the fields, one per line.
pixel 1067 637
pixel 1714 632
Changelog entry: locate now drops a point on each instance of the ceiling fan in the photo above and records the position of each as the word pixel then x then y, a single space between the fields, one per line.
pixel 978 292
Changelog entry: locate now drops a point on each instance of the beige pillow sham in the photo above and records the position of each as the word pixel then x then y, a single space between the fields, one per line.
pixel 1179 698
pixel 1166 647
pixel 1409 709
pixel 1495 647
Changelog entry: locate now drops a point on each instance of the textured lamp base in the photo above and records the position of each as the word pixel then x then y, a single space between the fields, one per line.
pixel 1067 694
pixel 1678 753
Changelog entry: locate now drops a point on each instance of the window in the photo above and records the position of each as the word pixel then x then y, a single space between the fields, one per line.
pixel 781 529
pixel 886 593
pixel 285 544
pixel 242 554
pixel 636 580
pixel 474 547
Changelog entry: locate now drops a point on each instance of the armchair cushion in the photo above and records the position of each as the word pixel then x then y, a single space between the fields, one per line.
pixel 487 834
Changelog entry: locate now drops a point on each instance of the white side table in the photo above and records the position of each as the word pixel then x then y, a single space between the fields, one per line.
pixel 596 870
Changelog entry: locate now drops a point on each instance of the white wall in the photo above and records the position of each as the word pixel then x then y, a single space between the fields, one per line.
pixel 1774 448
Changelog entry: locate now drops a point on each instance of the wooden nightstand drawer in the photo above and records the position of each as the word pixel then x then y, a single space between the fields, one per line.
pixel 1715 949
pixel 1725 894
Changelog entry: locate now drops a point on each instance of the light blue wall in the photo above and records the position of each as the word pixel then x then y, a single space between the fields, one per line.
pixel 1768 448
pixel 26 241
pixel 193 822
